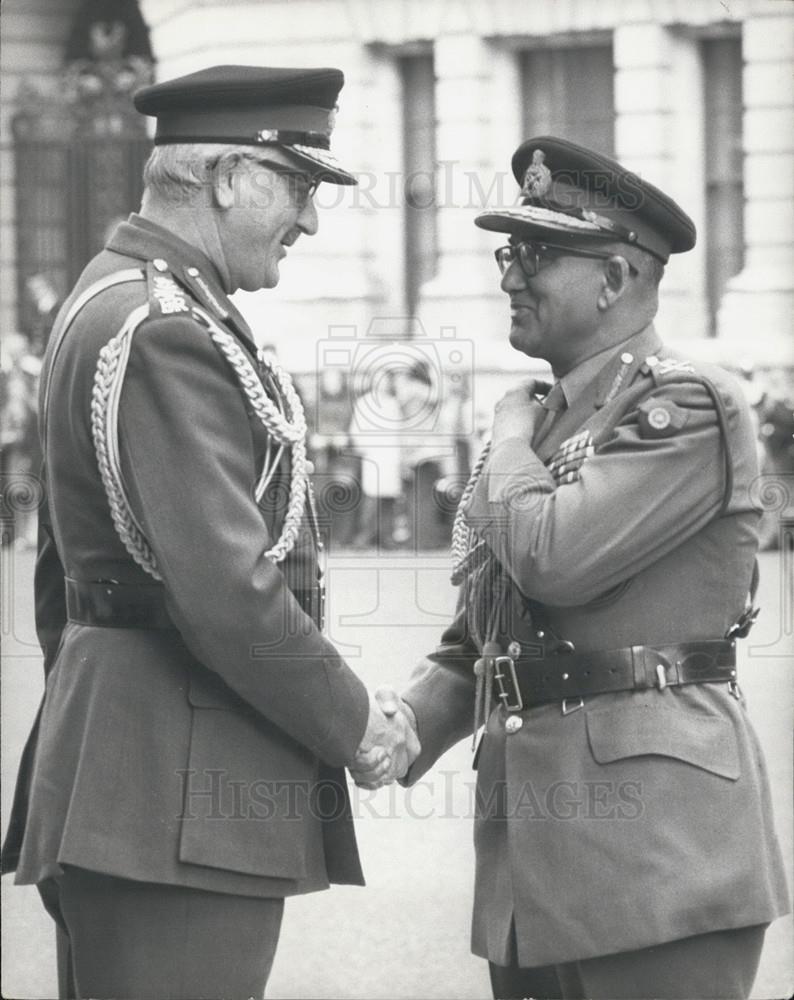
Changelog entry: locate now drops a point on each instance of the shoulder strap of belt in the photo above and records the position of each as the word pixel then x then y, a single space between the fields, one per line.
pixel 82 300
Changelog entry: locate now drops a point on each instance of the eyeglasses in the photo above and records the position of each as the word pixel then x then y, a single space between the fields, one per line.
pixel 302 185
pixel 532 257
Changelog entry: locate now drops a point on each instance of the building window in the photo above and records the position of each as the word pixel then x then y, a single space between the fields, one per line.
pixel 419 165
pixel 569 92
pixel 722 99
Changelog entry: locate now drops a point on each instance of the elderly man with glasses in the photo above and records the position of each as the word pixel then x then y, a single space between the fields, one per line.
pixel 185 772
pixel 605 549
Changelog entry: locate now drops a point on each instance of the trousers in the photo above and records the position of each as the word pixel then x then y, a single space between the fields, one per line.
pixel 714 966
pixel 126 939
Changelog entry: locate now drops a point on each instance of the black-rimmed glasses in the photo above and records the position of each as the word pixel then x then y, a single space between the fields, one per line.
pixel 303 185
pixel 532 257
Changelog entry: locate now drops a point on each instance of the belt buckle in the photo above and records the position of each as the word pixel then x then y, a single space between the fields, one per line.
pixel 500 677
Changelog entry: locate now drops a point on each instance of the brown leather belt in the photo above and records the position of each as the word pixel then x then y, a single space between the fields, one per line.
pixel 125 605
pixel 525 682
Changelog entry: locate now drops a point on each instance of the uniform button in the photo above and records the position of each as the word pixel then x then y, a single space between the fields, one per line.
pixel 626 358
pixel 159 264
pixel 514 649
pixel 193 272
pixel 651 361
pixel 513 723
pixel 540 634
pixel 659 418
pixel 309 467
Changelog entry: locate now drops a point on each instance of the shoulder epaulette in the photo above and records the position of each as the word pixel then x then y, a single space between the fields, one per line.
pixel 661 368
pixel 664 371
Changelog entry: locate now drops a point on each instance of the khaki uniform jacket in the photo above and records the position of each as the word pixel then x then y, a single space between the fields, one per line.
pixel 208 755
pixel 643 816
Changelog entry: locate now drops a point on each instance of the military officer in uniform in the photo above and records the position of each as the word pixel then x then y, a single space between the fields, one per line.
pixel 185 773
pixel 605 549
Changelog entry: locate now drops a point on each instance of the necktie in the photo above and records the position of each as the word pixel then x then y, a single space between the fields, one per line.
pixel 553 404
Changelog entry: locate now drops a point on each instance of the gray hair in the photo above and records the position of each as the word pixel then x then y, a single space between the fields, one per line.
pixel 181 170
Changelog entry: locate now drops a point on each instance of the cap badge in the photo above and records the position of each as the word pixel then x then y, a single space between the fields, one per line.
pixel 537 177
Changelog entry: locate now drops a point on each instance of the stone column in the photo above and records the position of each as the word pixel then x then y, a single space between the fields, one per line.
pixel 659 134
pixel 755 316
pixel 477 131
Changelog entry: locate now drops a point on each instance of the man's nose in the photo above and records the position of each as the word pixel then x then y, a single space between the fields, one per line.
pixel 514 279
pixel 307 220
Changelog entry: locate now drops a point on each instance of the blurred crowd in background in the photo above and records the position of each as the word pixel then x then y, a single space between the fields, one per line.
pixel 391 450
pixel 389 446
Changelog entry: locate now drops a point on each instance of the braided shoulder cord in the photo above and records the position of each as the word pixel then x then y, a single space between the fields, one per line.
pixel 105 397
pixel 287 430
pixel 477 569
pixel 464 542
pixel 273 419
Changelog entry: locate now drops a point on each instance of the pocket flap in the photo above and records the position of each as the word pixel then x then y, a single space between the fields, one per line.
pixel 626 730
pixel 206 692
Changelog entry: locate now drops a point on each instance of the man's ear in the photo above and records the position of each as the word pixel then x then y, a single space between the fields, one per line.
pixel 224 181
pixel 615 281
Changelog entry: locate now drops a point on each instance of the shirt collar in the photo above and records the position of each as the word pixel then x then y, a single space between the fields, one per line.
pixel 139 237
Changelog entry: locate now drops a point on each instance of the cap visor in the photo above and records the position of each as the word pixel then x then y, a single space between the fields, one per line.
pixel 321 161
pixel 531 218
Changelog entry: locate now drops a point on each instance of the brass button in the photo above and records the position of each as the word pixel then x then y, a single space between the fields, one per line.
pixel 159 264
pixel 513 723
pixel 193 272
pixel 514 649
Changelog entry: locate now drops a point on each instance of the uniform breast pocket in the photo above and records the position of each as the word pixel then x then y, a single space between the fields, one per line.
pixel 248 791
pixel 629 731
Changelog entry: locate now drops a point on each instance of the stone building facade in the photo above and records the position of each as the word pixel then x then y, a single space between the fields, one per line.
pixel 695 95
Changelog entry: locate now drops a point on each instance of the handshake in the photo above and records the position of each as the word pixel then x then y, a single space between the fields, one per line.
pixel 390 744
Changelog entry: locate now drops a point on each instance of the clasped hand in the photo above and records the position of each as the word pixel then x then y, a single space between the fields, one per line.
pixel 390 744
pixel 517 413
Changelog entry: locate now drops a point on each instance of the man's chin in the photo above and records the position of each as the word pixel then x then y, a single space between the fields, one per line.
pixel 271 277
pixel 520 340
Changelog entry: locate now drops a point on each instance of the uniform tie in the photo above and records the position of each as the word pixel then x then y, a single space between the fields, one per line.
pixel 553 404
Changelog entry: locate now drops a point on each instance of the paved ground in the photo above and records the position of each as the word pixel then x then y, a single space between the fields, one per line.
pixel 406 934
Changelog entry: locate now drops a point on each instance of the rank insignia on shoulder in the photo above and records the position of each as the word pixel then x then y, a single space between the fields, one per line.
pixel 660 418
pixel 166 298
pixel 566 462
pixel 668 366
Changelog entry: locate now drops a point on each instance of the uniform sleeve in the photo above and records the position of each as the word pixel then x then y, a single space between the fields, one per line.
pixel 441 694
pixel 658 479
pixel 189 464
